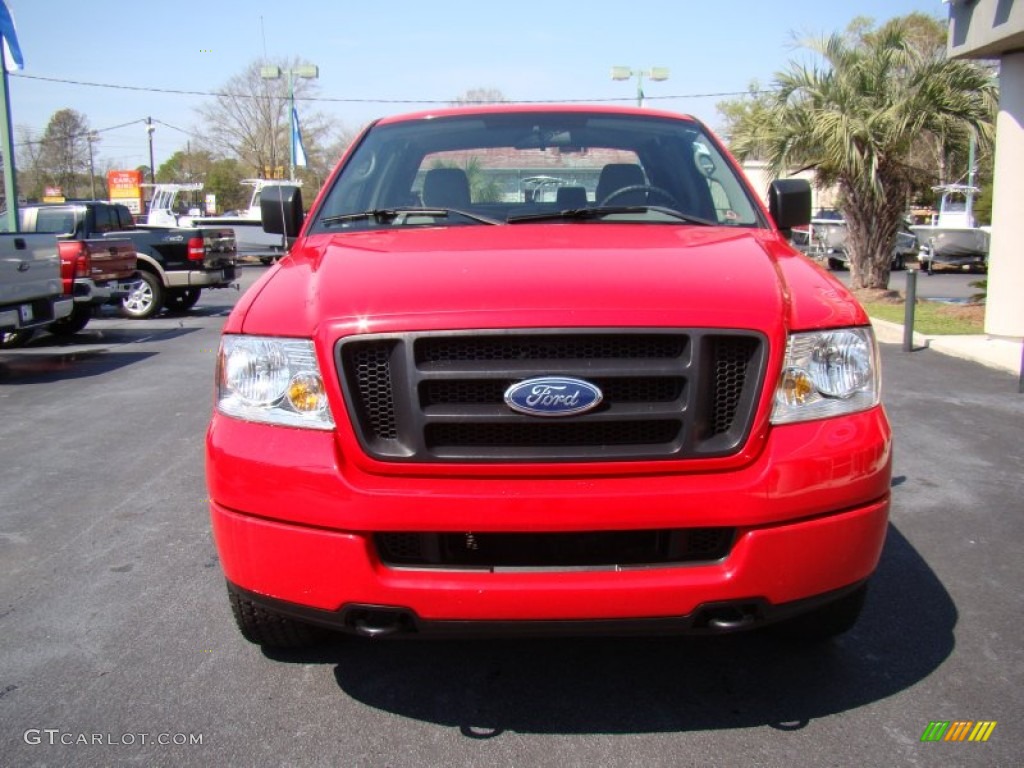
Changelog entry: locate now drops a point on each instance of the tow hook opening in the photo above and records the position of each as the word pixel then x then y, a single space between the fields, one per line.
pixel 379 622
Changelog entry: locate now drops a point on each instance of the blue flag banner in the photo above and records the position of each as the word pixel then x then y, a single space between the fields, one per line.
pixel 12 51
pixel 298 151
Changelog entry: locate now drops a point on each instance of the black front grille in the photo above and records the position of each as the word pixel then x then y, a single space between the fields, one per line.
pixel 554 550
pixel 440 396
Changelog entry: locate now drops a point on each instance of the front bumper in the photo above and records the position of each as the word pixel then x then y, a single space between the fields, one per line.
pixel 294 523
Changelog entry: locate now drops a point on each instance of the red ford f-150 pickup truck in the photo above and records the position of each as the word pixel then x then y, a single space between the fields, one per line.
pixel 625 404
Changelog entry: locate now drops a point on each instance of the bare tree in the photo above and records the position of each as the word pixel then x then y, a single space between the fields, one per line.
pixel 30 174
pixel 479 96
pixel 249 119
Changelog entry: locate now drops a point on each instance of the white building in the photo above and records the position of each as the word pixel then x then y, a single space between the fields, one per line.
pixel 994 29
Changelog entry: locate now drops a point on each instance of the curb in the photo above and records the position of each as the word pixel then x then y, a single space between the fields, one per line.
pixel 1001 354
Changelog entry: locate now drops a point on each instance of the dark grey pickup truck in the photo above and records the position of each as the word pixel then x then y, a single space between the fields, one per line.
pixel 31 293
pixel 174 264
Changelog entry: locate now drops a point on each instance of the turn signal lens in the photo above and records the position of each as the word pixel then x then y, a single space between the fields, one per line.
pixel 306 393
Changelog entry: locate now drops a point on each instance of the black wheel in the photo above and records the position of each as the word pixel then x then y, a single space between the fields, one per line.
pixel 898 263
pixel 73 323
pixel 146 298
pixel 15 339
pixel 180 299
pixel 264 627
pixel 649 190
pixel 835 264
pixel 825 622
pixel 266 260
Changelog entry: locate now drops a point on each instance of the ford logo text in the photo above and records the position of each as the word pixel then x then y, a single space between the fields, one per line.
pixel 552 396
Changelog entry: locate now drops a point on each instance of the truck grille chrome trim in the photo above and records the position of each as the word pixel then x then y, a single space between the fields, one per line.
pixel 439 397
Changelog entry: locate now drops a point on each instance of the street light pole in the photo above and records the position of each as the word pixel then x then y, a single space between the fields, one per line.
pixel 308 71
pixel 149 129
pixel 654 73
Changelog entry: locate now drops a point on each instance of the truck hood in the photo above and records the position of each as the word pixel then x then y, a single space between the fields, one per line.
pixel 543 275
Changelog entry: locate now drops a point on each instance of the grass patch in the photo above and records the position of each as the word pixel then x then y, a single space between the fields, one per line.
pixel 933 318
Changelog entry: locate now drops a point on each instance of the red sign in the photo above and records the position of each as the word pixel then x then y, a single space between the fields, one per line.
pixel 124 184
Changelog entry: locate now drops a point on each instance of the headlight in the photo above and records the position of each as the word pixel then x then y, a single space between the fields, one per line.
pixel 273 380
pixel 827 373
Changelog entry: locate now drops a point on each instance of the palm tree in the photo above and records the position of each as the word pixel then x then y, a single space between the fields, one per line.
pixel 859 118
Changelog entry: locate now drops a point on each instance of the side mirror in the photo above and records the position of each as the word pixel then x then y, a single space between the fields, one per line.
pixel 281 210
pixel 789 203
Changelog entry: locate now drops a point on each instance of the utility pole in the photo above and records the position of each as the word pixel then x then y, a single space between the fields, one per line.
pixel 92 172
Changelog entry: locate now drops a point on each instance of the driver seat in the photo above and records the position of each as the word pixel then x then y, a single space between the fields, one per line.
pixel 615 176
pixel 446 188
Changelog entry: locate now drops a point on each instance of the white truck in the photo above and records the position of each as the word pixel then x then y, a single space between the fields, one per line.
pixel 31 292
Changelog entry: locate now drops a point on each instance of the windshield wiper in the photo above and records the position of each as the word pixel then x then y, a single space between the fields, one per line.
pixel 598 212
pixel 387 215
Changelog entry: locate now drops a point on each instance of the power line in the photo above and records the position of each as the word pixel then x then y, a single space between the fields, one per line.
pixel 85 134
pixel 334 99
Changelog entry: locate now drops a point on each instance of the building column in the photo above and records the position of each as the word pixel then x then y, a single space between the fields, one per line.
pixel 1004 313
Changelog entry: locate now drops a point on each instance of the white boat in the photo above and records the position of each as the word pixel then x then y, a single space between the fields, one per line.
pixel 953 238
pixel 827 242
pixel 250 238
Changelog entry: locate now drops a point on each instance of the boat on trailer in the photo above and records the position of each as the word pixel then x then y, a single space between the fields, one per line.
pixel 954 239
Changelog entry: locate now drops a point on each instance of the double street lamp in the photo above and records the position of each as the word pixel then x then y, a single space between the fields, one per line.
pixel 654 73
pixel 308 71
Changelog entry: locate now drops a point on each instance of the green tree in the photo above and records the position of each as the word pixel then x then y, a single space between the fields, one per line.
pixel 224 179
pixel 185 166
pixel 860 116
pixel 219 176
pixel 64 152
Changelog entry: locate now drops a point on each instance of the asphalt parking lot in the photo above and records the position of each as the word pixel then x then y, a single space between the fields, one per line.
pixel 117 637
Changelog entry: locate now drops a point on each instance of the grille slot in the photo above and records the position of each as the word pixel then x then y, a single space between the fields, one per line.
pixel 569 346
pixel 595 549
pixel 439 397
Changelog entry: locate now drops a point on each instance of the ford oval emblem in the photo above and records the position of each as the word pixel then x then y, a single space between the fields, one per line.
pixel 553 396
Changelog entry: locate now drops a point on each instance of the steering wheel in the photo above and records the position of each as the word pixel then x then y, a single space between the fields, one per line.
pixel 649 189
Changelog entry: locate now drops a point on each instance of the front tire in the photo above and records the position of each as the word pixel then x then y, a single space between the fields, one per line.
pixel 145 299
pixel 269 629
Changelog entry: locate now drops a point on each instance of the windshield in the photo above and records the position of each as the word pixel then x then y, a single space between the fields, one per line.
pixel 503 167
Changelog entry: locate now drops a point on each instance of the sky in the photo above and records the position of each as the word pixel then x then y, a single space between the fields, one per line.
pixel 120 61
